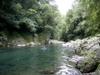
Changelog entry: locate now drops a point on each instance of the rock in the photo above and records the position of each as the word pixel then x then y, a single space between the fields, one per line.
pixel 92 43
pixel 86 66
pixel 30 44
pixel 64 70
pixel 87 54
pixel 56 42
pixel 75 59
pixel 86 63
pixel 21 45
pixel 93 73
pixel 97 72
pixel 98 55
pixel 1 44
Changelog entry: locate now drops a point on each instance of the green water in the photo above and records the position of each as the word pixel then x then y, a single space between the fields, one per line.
pixel 29 61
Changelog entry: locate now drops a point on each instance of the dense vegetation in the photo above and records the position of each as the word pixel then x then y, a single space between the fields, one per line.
pixel 30 17
pixel 42 18
pixel 82 20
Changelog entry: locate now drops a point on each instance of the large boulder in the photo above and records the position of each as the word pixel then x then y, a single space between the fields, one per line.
pixel 86 63
pixel 91 43
pixel 66 70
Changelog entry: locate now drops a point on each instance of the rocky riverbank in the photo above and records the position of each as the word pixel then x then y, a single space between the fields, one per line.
pixel 86 57
pixel 15 42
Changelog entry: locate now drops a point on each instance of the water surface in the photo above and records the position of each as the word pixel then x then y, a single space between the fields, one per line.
pixel 29 61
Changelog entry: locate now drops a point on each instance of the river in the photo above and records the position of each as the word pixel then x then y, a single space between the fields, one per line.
pixel 39 60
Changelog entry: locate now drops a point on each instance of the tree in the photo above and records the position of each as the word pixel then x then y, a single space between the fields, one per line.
pixel 32 17
pixel 82 20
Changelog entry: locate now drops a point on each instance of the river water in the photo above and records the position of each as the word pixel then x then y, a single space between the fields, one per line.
pixel 40 60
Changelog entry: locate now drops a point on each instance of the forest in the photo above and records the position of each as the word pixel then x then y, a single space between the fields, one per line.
pixel 36 39
pixel 37 17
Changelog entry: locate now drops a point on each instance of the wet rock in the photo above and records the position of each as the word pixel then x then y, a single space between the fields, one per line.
pixel 93 73
pixel 64 70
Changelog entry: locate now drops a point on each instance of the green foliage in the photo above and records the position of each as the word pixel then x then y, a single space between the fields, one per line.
pixel 30 17
pixel 82 20
pixel 37 17
pixel 28 24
